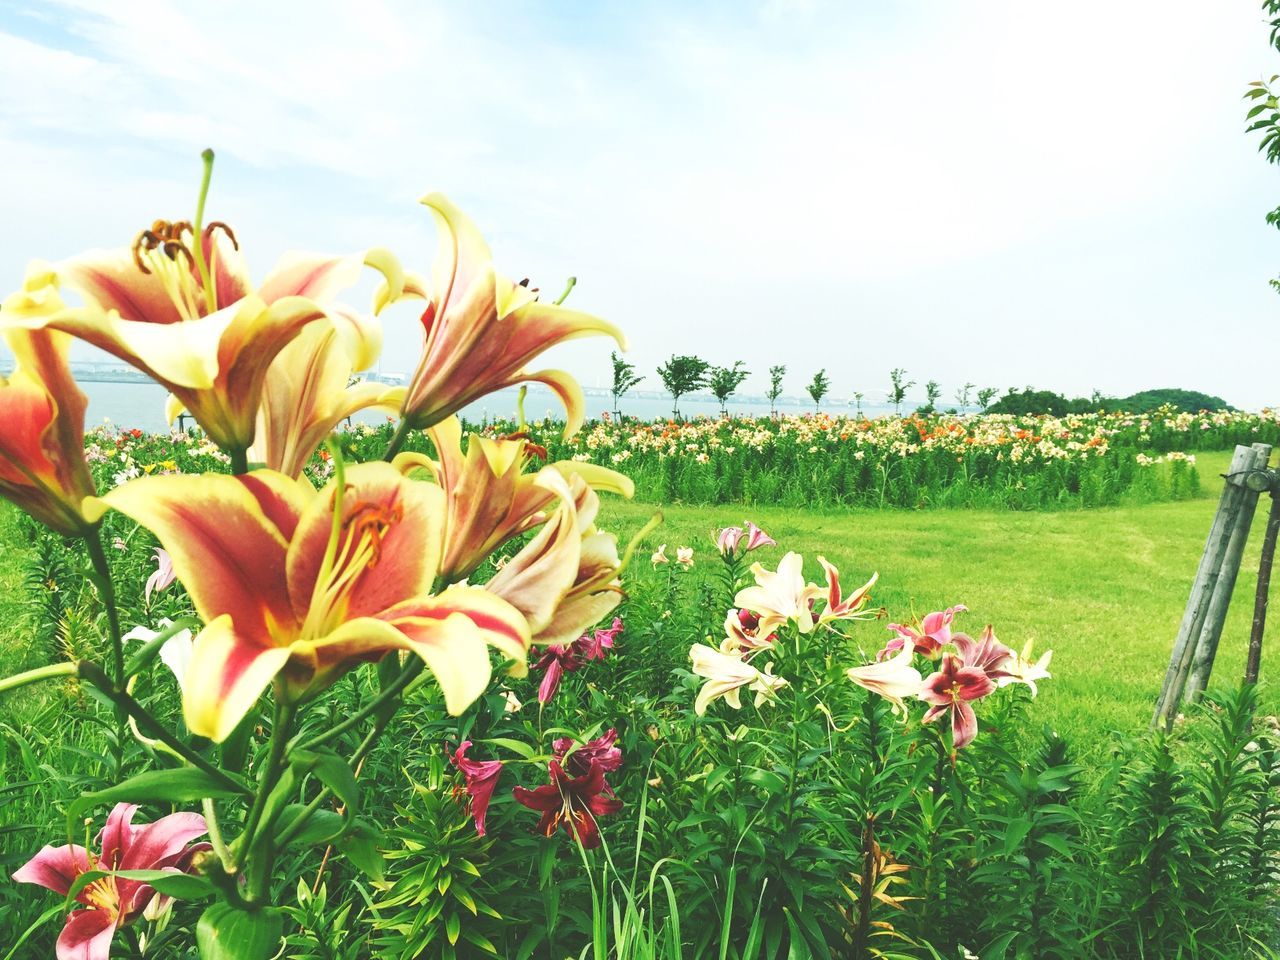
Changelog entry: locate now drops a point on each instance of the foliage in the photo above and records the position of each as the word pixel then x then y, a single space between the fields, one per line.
pixel 818 388
pixel 624 379
pixel 723 381
pixel 898 378
pixel 776 373
pixel 683 374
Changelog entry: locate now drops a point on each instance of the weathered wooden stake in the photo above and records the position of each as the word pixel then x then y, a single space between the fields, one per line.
pixel 1264 583
pixel 1202 588
pixel 1216 617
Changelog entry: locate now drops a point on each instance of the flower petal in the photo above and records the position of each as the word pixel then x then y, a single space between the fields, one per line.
pixel 228 673
pixel 87 936
pixel 164 838
pixel 54 868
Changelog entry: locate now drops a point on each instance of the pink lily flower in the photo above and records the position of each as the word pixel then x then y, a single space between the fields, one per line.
pixel 840 607
pixel 933 634
pixel 163 576
pixel 986 654
pixel 757 538
pixel 113 902
pixel 727 541
pixel 480 778
pixel 572 803
pixel 950 690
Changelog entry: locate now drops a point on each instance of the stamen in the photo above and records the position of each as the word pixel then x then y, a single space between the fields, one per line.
pixel 226 230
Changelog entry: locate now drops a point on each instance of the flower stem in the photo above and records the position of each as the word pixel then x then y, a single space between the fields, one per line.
pixel 397 440
pixel 411 670
pixel 94 674
pixel 35 676
pixel 107 591
pixel 239 460
pixel 284 714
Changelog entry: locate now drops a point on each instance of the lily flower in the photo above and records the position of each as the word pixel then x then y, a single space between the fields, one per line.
pixel 742 635
pixel 726 675
pixel 933 634
pixel 596 645
pixel 684 557
pixel 840 607
pixel 1022 669
pixel 112 902
pixel 163 576
pixel 599 752
pixel 659 555
pixel 299 586
pixel 571 802
pixel 175 653
pixel 950 690
pixel 178 305
pixel 480 777
pixel 894 679
pixel 727 541
pixel 490 498
pixel 556 660
pixel 779 597
pixel 42 463
pixel 565 579
pixel 757 538
pixel 480 329
pixel 308 389
pixel 986 654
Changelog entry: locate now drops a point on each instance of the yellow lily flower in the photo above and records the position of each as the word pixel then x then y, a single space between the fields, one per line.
pixel 297 586
pixel 42 464
pixel 490 496
pixel 726 674
pixel 178 305
pixel 308 390
pixel 480 329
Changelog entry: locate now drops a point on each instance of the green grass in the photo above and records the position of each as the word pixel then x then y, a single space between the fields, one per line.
pixel 1104 589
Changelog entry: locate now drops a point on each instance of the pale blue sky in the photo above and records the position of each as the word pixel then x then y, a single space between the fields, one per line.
pixel 998 192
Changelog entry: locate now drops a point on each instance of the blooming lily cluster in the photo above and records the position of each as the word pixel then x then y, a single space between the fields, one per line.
pixel 296 583
pixel 781 604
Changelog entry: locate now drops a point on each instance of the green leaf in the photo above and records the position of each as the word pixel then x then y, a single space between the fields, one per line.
pixel 225 933
pixel 331 770
pixel 520 749
pixel 452 927
pixel 362 851
pixel 180 886
pixel 170 786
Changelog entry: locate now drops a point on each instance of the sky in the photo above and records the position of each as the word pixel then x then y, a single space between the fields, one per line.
pixel 992 192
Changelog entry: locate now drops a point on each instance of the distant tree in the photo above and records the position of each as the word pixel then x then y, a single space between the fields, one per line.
pixel 683 374
pixel 857 399
pixel 818 388
pixel 962 395
pixel 932 393
pixel 1188 401
pixel 900 387
pixel 775 386
pixel 985 396
pixel 723 381
pixel 624 378
pixel 1264 111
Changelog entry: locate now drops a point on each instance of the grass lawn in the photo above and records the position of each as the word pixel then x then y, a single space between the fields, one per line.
pixel 1105 588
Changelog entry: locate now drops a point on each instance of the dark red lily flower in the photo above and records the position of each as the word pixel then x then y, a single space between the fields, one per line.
pixel 556 661
pixel 600 751
pixel 481 777
pixel 595 645
pixel 950 690
pixel 571 802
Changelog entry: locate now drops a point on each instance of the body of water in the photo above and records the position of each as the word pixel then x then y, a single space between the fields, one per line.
pixel 141 405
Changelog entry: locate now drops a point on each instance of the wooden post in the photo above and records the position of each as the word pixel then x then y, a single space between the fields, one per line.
pixel 1207 645
pixel 1264 584
pixel 1193 618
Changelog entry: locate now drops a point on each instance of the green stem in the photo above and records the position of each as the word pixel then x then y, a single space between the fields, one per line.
pixel 35 676
pixel 397 440
pixel 107 590
pixel 149 725
pixel 239 460
pixel 215 833
pixel 410 672
pixel 267 779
